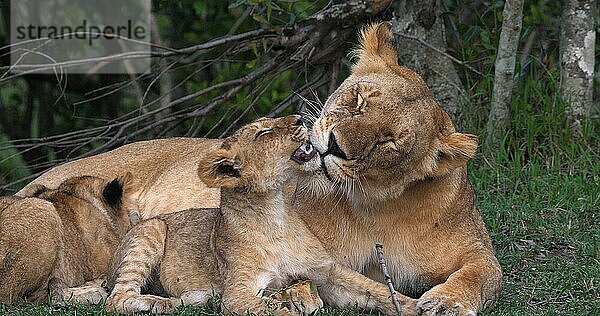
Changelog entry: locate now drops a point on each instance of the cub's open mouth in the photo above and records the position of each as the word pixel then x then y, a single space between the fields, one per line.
pixel 304 153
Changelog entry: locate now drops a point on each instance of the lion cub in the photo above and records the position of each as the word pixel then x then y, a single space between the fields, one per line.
pixel 255 242
pixel 61 238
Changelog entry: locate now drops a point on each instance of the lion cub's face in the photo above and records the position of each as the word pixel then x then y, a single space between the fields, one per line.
pixel 382 129
pixel 258 157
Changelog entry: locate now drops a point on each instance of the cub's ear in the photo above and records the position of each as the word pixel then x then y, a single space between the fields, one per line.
pixel 376 49
pixel 113 192
pixel 36 190
pixel 120 188
pixel 454 151
pixel 129 183
pixel 220 169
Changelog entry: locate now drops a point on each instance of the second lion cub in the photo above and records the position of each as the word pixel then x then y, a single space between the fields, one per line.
pixel 254 242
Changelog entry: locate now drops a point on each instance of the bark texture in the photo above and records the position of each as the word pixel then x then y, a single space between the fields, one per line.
pixel 421 19
pixel 499 117
pixel 577 44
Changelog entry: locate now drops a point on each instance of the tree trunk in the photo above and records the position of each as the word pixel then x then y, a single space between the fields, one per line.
pixel 577 44
pixel 421 20
pixel 499 117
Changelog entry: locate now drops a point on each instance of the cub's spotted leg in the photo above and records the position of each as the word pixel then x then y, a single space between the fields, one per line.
pixel 344 287
pixel 140 252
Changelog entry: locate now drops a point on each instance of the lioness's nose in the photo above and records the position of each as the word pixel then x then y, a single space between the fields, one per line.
pixel 333 148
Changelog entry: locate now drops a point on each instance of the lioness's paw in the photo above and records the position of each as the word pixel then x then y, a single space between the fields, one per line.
pixel 442 303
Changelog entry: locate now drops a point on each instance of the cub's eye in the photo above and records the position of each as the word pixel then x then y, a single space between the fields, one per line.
pixel 262 132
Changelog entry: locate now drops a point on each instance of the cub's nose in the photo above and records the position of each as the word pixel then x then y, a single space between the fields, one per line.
pixel 292 120
pixel 333 148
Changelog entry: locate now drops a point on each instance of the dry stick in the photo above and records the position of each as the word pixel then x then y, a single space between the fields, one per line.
pixel 439 51
pixel 386 275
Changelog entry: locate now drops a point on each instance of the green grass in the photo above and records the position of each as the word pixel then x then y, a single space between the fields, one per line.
pixel 544 225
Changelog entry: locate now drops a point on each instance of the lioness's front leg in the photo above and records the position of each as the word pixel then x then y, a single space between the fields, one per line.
pixel 473 287
pixel 343 287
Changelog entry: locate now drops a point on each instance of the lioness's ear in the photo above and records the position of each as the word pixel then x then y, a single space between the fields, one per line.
pixel 376 48
pixel 454 151
pixel 220 169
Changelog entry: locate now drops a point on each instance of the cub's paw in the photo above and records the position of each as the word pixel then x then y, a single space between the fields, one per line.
pixel 440 302
pixel 123 303
pixel 56 291
pixel 86 295
pixel 300 298
pixel 89 293
pixel 163 305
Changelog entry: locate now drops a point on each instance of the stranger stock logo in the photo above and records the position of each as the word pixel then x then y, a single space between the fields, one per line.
pixel 80 36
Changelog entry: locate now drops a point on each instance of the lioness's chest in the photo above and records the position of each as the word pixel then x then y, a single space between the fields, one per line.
pixel 352 243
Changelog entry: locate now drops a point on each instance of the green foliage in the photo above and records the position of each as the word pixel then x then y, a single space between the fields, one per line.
pixel 539 193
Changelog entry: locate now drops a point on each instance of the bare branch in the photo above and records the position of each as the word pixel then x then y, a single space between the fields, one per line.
pixel 439 51
pixel 312 43
pixel 388 278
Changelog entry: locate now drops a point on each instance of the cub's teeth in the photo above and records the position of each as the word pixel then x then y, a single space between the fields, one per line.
pixel 308 148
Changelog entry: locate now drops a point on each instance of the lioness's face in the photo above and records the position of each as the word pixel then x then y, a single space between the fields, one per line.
pixel 259 156
pixel 382 129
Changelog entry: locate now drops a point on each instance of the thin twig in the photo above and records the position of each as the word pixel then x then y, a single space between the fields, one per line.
pixel 386 275
pixel 141 54
pixel 426 44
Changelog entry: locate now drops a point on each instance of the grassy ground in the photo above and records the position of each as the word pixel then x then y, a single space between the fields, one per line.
pixel 544 225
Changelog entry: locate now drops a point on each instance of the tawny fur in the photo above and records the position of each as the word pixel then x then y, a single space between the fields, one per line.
pixel 164 169
pixel 420 207
pixel 255 242
pixel 61 239
pixel 401 181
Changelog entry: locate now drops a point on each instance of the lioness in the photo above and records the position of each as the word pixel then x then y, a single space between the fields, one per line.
pixel 396 170
pixel 164 169
pixel 61 238
pixel 253 243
